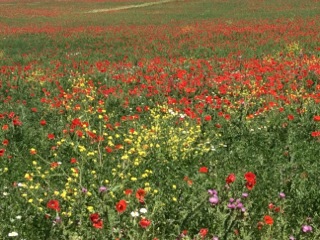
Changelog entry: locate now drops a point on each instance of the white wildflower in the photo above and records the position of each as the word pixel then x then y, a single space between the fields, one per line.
pixel 143 210
pixel 135 214
pixel 13 234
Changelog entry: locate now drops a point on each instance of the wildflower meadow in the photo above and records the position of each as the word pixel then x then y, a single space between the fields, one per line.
pixel 159 120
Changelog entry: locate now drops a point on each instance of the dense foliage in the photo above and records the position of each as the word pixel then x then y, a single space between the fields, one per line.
pixel 172 125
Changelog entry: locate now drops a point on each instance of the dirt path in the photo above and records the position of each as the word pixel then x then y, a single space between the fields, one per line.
pixel 130 6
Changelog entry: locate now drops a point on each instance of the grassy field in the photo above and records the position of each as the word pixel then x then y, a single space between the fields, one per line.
pixel 182 120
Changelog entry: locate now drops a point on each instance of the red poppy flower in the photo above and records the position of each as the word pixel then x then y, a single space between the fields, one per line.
pixel 140 194
pixel 144 223
pixel 268 220
pixel 98 224
pixel 316 118
pixel 181 73
pixel 108 149
pixel 290 117
pixel 2 151
pixel 79 133
pixel 315 134
pixel 73 160
pixel 76 122
pixel 5 142
pixel 271 206
pixel 54 205
pixel 203 170
pixel 43 122
pixel 251 180
pixel 203 232
pixel 139 109
pixel 54 164
pixel 250 185
pixel 277 209
pixel 128 192
pixel 227 116
pixel 16 122
pixel 51 136
pixel 250 116
pixel 96 220
pixel 250 177
pixel 11 115
pixel 207 118
pixel 94 217
pixel 121 206
pixel 231 178
pixel 185 232
pixel 188 180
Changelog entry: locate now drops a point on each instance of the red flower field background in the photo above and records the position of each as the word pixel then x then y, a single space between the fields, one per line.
pixel 182 120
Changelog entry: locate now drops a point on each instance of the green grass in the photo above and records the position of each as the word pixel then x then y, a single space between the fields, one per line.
pixel 245 78
pixel 188 11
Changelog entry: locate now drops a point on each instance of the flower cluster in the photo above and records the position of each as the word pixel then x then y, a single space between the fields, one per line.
pixel 250 180
pixel 96 220
pixel 124 140
pixel 213 197
pixel 236 204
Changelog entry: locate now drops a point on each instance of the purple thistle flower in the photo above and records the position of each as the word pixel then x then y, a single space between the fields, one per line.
pixel 214 200
pixel 102 189
pixel 245 195
pixel 212 192
pixel 231 206
pixel 282 195
pixel 239 205
pixel 306 228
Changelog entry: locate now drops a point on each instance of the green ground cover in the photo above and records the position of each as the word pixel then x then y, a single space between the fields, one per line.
pixel 183 120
